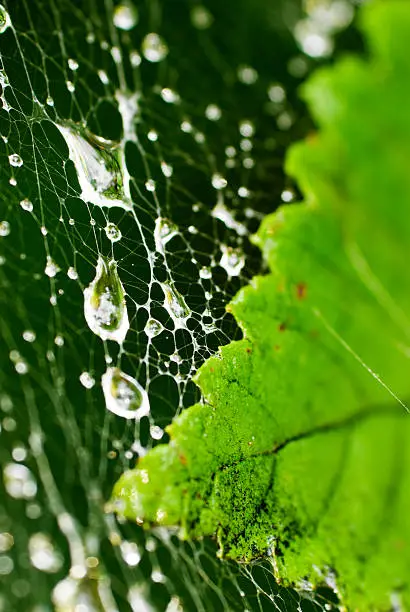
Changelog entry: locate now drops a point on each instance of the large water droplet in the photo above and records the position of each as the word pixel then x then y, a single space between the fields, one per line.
pixel 124 395
pixel 105 309
pixel 125 16
pixel 112 232
pixel 153 328
pixel 5 20
pixel 97 162
pixel 154 48
pixel 175 305
pixel 164 231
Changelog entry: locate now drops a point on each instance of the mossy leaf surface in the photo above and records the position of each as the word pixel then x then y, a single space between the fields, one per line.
pixel 300 448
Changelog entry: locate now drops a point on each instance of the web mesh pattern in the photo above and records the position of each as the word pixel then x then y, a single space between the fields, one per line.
pixel 140 146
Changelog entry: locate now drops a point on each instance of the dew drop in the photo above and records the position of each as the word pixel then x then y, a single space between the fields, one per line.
pixel 105 309
pixel 29 335
pixel 19 481
pixel 97 162
pixel 103 77
pixel 218 181
pixel 154 48
pixel 27 205
pixel 164 231
pixel 130 553
pixel 124 396
pixel 247 75
pixel 15 160
pixel 72 273
pixel 5 20
pixel 150 185
pixel 49 101
pixel 51 268
pixel 170 96
pixel 232 260
pixel 125 16
pixel 167 170
pixel 201 18
pixel 87 380
pixel 175 305
pixel 205 273
pixel 4 228
pixel 72 64
pixel 213 112
pixel 112 232
pixel 70 86
pixel 135 59
pixel 43 555
pixel 153 328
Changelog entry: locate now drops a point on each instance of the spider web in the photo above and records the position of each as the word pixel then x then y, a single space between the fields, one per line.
pixel 141 145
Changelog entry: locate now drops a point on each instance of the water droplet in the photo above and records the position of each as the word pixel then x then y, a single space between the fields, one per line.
pixel 5 20
pixel 170 96
pixel 43 555
pixel 232 260
pixel 29 335
pixel 4 228
pixel 124 396
pixel 154 48
pixel 201 18
pixel 213 112
pixel 70 86
pixel 19 481
pixel 87 380
pixel 218 181
pixel 167 170
pixel 6 542
pixel 247 75
pixel 97 162
pixel 130 553
pixel 103 77
pixel 51 268
pixel 153 328
pixel 125 16
pixel 152 136
pixel 287 195
pixel 205 273
pixel 246 129
pixel 150 185
pixel 72 64
pixel 156 432
pixel 15 160
pixel 49 101
pixel 112 232
pixel 72 273
pixel 27 205
pixel 105 309
pixel 276 93
pixel 243 192
pixel 59 341
pixel 164 231
pixel 175 305
pixel 135 59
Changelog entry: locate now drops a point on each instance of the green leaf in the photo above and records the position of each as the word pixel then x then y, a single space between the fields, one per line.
pixel 299 449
